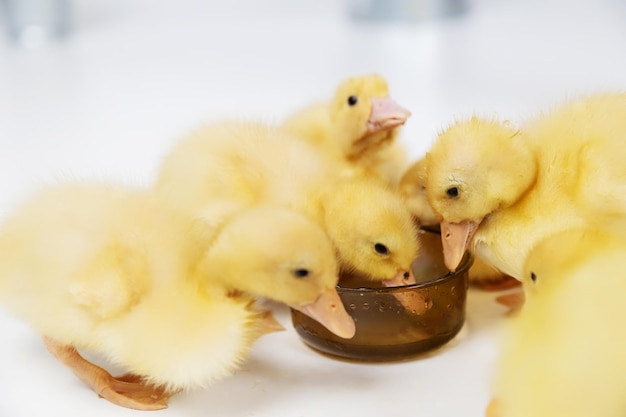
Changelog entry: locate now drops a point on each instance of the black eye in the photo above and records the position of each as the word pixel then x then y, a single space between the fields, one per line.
pixel 380 248
pixel 352 100
pixel 452 192
pixel 533 277
pixel 300 273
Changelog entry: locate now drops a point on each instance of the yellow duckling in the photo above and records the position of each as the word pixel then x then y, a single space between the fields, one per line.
pixel 412 189
pixel 253 163
pixel 110 270
pixel 359 125
pixel 502 190
pixel 564 353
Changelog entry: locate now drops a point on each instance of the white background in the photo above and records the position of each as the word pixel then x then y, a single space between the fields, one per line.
pixel 135 75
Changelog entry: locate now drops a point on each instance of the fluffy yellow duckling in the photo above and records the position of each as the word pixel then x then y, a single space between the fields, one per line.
pixel 564 354
pixel 253 163
pixel 358 125
pixel 109 270
pixel 502 189
pixel 376 236
pixel 412 189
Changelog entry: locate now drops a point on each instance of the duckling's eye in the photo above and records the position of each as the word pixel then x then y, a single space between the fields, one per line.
pixel 382 249
pixel 300 273
pixel 352 100
pixel 533 277
pixel 452 192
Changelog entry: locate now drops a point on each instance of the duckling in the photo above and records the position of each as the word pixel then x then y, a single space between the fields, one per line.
pixel 111 270
pixel 501 189
pixel 412 189
pixel 550 257
pixel 359 125
pixel 255 163
pixel 375 218
pixel 559 357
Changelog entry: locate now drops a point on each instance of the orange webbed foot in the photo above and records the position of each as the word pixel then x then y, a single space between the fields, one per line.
pixel 128 391
pixel 514 301
pixel 504 283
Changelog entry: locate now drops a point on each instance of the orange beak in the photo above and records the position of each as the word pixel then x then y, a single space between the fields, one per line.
pixel 386 115
pixel 329 311
pixel 401 278
pixel 455 239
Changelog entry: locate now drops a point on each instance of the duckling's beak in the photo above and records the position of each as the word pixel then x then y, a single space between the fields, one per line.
pixel 455 238
pixel 402 278
pixel 329 311
pixel 386 114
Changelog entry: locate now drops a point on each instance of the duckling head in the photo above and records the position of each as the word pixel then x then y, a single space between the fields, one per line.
pixel 372 230
pixel 280 255
pixel 559 254
pixel 474 168
pixel 364 114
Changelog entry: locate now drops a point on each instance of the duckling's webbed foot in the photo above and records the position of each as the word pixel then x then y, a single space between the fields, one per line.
pixel 127 391
pixel 514 301
pixel 497 284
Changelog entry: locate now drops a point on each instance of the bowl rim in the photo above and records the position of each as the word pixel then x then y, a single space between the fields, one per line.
pixel 464 265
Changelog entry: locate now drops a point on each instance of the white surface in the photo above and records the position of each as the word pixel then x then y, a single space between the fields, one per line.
pixel 137 74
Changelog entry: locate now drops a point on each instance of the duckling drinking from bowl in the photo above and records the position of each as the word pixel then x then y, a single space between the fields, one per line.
pixel 112 270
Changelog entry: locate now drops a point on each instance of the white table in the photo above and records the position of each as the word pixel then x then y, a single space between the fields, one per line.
pixel 137 74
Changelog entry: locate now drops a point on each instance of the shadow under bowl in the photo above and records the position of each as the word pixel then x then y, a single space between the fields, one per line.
pixel 399 322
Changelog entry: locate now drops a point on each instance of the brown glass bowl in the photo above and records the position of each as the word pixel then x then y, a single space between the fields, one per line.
pixel 400 322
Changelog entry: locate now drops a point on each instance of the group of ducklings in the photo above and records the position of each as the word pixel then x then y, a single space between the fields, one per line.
pixel 242 211
pixel 165 281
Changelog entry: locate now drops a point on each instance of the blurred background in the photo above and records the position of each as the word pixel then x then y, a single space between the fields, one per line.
pixel 102 88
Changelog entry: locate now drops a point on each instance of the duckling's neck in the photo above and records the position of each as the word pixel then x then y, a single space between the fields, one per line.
pixel 370 143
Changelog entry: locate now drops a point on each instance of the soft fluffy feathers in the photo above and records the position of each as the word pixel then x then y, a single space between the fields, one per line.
pixel 563 169
pixel 253 163
pixel 488 163
pixel 563 355
pixel 109 269
pixel 412 189
pixel 358 125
